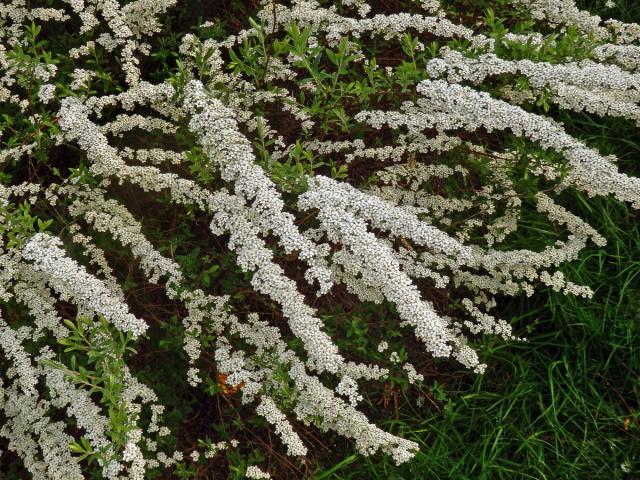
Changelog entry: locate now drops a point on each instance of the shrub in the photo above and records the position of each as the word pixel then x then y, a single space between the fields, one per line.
pixel 218 212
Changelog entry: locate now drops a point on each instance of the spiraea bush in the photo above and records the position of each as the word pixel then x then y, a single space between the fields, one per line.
pixel 226 224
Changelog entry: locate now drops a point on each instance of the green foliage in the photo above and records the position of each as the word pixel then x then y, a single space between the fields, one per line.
pixel 95 358
pixel 28 58
pixel 19 224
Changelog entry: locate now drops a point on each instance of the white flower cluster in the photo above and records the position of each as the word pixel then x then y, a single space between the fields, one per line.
pixel 268 409
pixel 227 147
pixel 567 13
pixel 371 262
pixel 72 282
pixel 606 90
pixel 255 472
pixel 451 107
